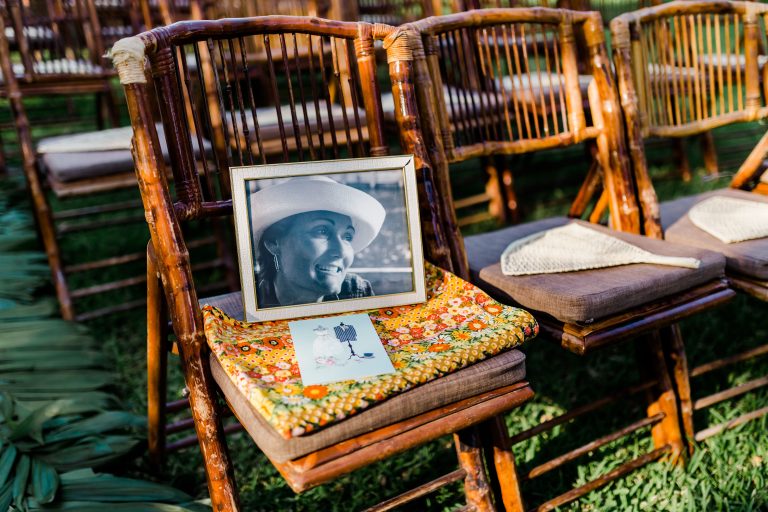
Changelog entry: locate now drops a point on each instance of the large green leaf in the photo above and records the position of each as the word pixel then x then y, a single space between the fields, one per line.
pixel 104 422
pixel 63 360
pixel 7 461
pixel 32 424
pixel 6 407
pixel 91 451
pixel 45 481
pixel 108 488
pixel 67 380
pixel 6 495
pixel 12 311
pixel 20 479
pixel 80 402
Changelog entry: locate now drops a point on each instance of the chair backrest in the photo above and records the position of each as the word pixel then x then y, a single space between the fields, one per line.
pixel 52 38
pixel 193 61
pixel 684 68
pixel 506 81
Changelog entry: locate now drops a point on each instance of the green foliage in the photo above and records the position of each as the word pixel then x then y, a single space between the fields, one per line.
pixel 57 417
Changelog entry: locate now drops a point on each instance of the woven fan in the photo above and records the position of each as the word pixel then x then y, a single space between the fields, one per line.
pixel 731 219
pixel 575 247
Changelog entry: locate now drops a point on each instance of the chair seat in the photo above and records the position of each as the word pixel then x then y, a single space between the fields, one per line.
pixel 749 258
pixel 492 373
pixel 496 372
pixel 80 156
pixel 587 295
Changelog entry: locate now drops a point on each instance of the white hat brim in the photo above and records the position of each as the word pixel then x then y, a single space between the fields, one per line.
pixel 301 195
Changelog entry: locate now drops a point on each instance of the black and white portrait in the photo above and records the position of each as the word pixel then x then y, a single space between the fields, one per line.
pixel 316 238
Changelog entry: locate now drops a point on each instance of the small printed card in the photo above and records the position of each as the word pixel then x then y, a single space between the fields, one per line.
pixel 338 348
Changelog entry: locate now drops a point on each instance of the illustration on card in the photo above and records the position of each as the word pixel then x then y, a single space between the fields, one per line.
pixel 338 348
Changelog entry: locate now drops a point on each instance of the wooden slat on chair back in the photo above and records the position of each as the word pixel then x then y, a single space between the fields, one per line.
pixel 323 104
pixel 693 65
pixel 53 37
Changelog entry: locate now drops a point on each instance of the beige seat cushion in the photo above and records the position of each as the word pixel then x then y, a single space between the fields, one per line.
pixel 502 370
pixel 749 258
pixel 586 295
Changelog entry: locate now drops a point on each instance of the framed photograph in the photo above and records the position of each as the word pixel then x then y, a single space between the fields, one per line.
pixel 320 238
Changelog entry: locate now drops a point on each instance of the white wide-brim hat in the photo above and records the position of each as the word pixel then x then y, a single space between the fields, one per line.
pixel 313 193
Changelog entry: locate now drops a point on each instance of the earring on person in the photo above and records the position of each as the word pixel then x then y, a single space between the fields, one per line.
pixel 277 263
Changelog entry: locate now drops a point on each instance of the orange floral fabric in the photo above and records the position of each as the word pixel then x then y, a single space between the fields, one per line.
pixel 458 325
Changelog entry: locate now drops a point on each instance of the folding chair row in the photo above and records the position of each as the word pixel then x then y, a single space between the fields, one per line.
pixel 59 48
pixel 373 434
pixel 498 103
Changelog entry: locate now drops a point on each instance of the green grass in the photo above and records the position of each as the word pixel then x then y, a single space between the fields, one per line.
pixel 727 472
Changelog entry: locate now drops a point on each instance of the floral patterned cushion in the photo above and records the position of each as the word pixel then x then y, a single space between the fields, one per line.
pixel 457 326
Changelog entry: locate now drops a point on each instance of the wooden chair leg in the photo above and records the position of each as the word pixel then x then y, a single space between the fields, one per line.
pixel 504 468
pixel 493 190
pixel 661 397
pixel 592 185
pixel 42 210
pixel 507 182
pixel 208 427
pixel 470 454
pixel 751 168
pixel 680 156
pixel 157 363
pixel 677 362
pixel 710 153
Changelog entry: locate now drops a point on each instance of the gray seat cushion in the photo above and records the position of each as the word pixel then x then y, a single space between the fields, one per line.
pixel 502 370
pixel 586 295
pixel 749 257
pixel 230 303
pixel 67 167
pixel 72 166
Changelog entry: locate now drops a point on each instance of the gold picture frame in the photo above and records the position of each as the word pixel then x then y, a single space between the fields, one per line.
pixel 328 237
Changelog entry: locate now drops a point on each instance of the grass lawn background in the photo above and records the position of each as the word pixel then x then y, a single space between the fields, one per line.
pixel 727 472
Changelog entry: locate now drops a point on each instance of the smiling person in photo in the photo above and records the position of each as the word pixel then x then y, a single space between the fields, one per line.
pixel 308 230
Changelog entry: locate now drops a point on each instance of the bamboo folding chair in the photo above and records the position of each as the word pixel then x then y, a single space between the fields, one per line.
pixel 59 52
pixel 712 50
pixel 85 167
pixel 506 121
pixel 187 116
